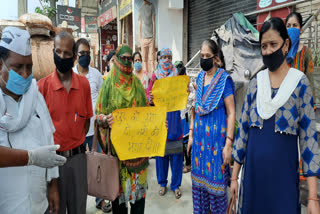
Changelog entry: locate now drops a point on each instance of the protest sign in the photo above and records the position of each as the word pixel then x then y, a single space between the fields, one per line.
pixel 139 132
pixel 171 93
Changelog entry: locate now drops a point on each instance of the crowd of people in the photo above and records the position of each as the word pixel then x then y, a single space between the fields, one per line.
pixel 75 103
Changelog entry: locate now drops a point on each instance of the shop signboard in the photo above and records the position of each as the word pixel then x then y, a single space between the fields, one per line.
pixel 107 16
pixel 105 5
pixel 83 25
pixel 281 13
pixel 125 8
pixel 91 24
pixel 107 48
pixel 70 16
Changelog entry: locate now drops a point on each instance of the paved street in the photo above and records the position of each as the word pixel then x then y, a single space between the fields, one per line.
pixel 156 204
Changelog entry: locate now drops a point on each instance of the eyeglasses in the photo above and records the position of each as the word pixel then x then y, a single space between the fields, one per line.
pixel 82 53
pixel 126 58
pixel 166 57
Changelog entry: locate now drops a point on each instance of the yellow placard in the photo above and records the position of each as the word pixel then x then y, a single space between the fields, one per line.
pixel 171 93
pixel 139 132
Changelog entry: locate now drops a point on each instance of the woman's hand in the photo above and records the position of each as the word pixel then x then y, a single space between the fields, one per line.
pixel 313 207
pixel 195 86
pixel 234 188
pixel 167 124
pixel 189 144
pixel 226 154
pixel 109 119
pixel 151 98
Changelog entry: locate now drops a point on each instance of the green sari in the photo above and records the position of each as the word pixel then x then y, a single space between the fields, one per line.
pixel 121 89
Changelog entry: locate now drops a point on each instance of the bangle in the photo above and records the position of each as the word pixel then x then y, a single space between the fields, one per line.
pixel 234 179
pixel 190 129
pixel 230 138
pixel 313 199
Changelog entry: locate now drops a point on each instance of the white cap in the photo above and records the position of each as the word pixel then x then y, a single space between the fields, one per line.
pixel 16 40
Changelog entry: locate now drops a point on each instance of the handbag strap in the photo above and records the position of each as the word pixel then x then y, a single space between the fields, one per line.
pixel 95 139
pixel 108 141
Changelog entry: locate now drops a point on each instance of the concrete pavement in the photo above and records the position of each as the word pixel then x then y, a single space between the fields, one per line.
pixel 156 204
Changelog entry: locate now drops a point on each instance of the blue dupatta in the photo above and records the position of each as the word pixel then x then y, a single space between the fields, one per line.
pixel 209 101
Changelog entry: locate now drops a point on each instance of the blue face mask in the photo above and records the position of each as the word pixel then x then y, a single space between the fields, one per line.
pixel 294 35
pixel 17 84
pixel 138 66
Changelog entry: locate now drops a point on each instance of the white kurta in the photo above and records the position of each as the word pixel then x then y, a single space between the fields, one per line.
pixel 95 80
pixel 24 189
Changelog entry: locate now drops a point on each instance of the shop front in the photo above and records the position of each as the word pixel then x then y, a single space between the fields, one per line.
pixel 108 30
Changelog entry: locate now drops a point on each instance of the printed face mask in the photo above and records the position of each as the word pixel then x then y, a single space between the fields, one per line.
pixel 138 66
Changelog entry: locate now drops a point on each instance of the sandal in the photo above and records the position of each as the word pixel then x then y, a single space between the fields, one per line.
pixel 186 169
pixel 177 193
pixel 162 191
pixel 105 208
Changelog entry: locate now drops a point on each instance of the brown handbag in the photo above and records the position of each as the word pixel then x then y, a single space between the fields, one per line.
pixel 102 171
pixel 232 206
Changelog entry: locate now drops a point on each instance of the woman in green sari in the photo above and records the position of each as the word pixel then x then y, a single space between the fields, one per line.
pixel 122 89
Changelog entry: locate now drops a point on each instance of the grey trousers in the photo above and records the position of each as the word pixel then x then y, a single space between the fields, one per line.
pixel 73 185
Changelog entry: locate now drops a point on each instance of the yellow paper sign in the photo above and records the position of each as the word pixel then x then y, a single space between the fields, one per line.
pixel 171 93
pixel 139 132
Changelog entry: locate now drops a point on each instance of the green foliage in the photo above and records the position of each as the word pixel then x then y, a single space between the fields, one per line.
pixel 47 9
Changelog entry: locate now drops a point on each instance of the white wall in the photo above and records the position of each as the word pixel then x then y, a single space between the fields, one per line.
pixel 170 29
pixel 9 9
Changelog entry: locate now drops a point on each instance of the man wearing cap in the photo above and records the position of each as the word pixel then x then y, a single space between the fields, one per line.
pixel 68 98
pixel 25 124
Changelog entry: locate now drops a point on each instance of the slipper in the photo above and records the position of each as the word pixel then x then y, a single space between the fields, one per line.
pixel 162 191
pixel 106 208
pixel 177 193
pixel 186 169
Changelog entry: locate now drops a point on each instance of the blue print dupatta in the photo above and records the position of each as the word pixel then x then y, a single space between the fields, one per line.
pixel 208 102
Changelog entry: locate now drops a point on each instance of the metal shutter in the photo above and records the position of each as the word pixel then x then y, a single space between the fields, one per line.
pixel 206 15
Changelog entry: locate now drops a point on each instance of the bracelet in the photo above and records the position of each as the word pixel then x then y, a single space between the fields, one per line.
pixel 234 179
pixel 190 129
pixel 230 138
pixel 313 199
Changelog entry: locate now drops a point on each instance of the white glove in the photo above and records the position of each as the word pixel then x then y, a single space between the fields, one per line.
pixel 46 157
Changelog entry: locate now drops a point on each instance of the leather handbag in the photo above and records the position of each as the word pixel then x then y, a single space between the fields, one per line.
pixel 232 205
pixel 102 171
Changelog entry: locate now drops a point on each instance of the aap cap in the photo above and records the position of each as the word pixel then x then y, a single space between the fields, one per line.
pixel 16 40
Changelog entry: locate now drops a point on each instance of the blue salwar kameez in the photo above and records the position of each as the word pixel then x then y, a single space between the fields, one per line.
pixel 209 175
pixel 175 133
pixel 268 150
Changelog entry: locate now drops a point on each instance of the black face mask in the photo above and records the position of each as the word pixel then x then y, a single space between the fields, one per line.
pixel 274 61
pixel 206 64
pixel 84 61
pixel 63 65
